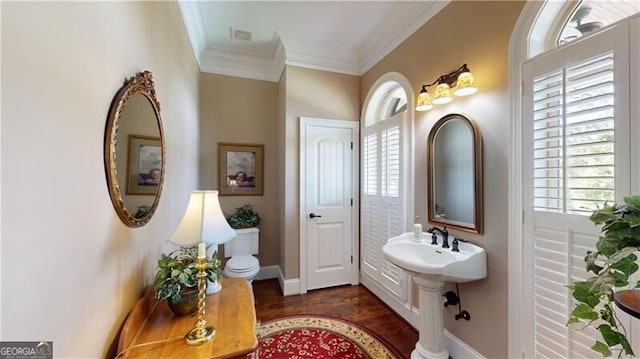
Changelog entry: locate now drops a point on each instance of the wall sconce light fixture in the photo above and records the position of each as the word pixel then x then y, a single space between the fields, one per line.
pixel 461 78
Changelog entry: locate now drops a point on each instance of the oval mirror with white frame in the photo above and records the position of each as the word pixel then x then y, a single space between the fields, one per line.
pixel 134 150
pixel 454 174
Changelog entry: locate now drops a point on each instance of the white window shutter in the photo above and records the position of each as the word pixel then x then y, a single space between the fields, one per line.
pixel 382 213
pixel 573 137
pixel 577 133
pixel 369 212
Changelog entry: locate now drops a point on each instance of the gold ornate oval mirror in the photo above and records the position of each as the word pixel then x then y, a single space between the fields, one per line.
pixel 134 150
pixel 454 172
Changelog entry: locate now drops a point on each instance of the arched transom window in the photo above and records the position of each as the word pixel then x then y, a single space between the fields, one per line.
pixel 588 17
pixel 386 178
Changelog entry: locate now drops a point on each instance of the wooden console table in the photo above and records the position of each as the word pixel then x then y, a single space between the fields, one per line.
pixel 629 301
pixel 231 312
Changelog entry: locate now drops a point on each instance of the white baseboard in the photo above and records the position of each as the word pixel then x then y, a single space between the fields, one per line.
pixel 268 272
pixel 457 348
pixel 288 286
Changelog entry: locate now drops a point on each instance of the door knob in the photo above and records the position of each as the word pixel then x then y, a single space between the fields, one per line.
pixel 313 215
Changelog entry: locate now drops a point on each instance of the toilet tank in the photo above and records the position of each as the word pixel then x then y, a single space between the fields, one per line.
pixel 246 243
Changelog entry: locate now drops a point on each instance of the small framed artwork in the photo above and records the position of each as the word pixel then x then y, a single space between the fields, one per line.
pixel 144 165
pixel 240 169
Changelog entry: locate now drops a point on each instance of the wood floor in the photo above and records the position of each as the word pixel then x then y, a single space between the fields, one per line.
pixel 353 303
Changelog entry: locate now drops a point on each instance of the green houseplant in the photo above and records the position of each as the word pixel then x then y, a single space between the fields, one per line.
pixel 243 217
pixel 142 211
pixel 613 262
pixel 176 278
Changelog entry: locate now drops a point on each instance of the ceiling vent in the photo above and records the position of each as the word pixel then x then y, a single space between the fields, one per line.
pixel 237 34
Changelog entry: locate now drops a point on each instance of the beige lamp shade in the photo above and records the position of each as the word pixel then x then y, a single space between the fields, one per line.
pixel 424 100
pixel 203 221
pixel 442 95
pixel 465 85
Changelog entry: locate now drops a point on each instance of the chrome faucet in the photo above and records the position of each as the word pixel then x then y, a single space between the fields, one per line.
pixel 443 232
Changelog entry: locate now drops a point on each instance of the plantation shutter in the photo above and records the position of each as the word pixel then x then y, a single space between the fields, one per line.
pixel 576 123
pixel 369 206
pixel 573 134
pixel 383 213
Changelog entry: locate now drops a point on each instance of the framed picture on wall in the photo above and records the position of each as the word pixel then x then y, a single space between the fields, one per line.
pixel 144 165
pixel 240 169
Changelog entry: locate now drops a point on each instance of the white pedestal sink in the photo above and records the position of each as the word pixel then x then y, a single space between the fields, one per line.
pixel 432 266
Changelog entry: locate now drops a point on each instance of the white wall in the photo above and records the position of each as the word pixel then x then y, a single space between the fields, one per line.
pixel 71 271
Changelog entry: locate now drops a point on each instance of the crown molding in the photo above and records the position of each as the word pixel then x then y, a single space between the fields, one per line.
pixel 293 51
pixel 320 57
pixel 193 17
pixel 225 62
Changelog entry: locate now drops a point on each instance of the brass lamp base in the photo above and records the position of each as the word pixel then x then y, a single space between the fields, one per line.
pixel 201 333
pixel 197 336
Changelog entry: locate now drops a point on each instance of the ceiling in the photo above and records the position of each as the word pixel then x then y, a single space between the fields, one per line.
pixel 255 39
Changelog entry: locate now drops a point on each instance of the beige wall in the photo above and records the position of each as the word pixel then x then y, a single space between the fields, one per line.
pixel 309 93
pixel 237 110
pixel 71 271
pixel 476 33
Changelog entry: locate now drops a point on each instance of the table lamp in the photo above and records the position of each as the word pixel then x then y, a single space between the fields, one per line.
pixel 203 221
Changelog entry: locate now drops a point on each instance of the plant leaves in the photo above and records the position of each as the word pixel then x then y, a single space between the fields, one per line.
pixel 626 345
pixel 603 215
pixel 584 311
pixel 608 334
pixel 633 202
pixel 608 315
pixel 590 260
pixel 603 283
pixel 175 273
pixel 607 246
pixel 622 280
pixel 573 319
pixel 613 337
pixel 626 265
pixel 583 293
pixel 632 219
pixel 601 348
pixel 620 254
pixel 183 278
pixel 621 235
pixel 613 262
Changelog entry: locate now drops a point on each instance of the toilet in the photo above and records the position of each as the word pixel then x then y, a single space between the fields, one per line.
pixel 240 251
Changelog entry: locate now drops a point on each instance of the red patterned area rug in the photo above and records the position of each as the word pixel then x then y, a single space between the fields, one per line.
pixel 318 337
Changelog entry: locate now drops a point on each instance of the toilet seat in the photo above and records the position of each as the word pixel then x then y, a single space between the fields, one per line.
pixel 242 266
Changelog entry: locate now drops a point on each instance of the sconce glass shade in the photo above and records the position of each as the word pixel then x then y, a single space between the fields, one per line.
pixel 442 95
pixel 424 100
pixel 203 221
pixel 465 85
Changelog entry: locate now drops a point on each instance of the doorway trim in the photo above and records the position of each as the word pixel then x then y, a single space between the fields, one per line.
pixel 355 183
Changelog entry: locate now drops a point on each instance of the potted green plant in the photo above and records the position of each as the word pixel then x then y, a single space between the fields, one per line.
pixel 613 262
pixel 142 211
pixel 243 217
pixel 176 278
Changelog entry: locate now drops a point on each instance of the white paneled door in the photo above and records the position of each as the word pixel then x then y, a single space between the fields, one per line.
pixel 328 219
